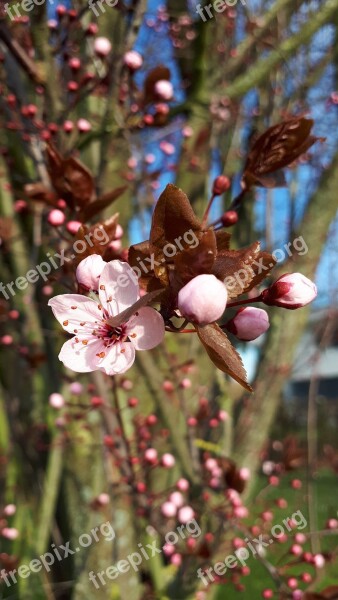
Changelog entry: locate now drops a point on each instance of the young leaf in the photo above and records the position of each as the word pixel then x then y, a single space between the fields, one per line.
pixel 222 353
pixel 173 217
pixel 93 208
pixel 277 148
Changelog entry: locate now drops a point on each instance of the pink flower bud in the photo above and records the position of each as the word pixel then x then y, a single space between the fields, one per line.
pixel 56 218
pixel 56 401
pixel 292 290
pixel 133 60
pixel 185 514
pixel 89 270
pixel 168 549
pixel 168 509
pixel 319 561
pixel 150 455
pixel 10 533
pixel 83 126
pixel 118 232
pixel 10 510
pixel 68 126
pixel 203 299
pixel 76 388
pixel 102 46
pixel 103 499
pixel 176 559
pixel 182 485
pixel 177 499
pixel 168 460
pixel 249 323
pixel 164 89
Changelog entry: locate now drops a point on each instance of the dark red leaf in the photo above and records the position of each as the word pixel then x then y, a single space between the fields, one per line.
pixel 241 270
pixel 194 261
pixel 222 353
pixel 94 208
pixel 277 148
pixel 129 312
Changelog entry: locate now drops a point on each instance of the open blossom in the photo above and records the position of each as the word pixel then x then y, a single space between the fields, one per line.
pixel 249 323
pixel 89 271
pixel 97 345
pixel 292 290
pixel 203 299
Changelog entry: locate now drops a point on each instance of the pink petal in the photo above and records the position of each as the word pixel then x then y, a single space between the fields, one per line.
pixel 119 359
pixel 80 357
pixel 72 309
pixel 146 330
pixel 118 288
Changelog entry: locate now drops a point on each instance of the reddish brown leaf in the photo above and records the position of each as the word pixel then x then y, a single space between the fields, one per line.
pixel 70 178
pixel 38 192
pixel 94 208
pixel 96 243
pixel 330 593
pixel 241 270
pixel 222 240
pixel 79 181
pixel 222 353
pixel 145 300
pixel 277 148
pixel 173 217
pixel 195 261
pixel 232 475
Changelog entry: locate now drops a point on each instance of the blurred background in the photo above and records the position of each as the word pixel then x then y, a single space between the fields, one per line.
pixel 103 104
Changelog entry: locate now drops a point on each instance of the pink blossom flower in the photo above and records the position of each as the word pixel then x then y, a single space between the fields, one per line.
pixel 89 271
pixel 292 290
pixel 97 345
pixel 203 299
pixel 249 323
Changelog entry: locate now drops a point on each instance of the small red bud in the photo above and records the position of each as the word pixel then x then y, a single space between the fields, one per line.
pixel 221 185
pixel 229 218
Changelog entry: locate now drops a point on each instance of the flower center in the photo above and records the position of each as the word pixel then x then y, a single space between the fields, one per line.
pixel 113 335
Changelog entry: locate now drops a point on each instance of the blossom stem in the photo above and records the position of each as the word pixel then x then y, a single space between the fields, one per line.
pixel 207 210
pixel 246 301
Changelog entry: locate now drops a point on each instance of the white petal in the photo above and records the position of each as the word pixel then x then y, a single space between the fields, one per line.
pixel 146 330
pixel 118 287
pixel 119 359
pixel 73 309
pixel 80 357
